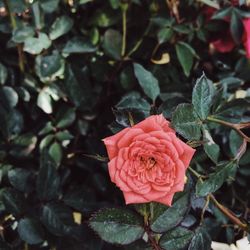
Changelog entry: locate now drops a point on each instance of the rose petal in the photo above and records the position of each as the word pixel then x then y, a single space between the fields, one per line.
pixel 161 188
pixel 127 138
pixel 120 183
pixel 188 153
pixel 167 199
pixel 179 171
pixel 131 197
pixel 143 189
pixel 112 169
pixel 111 143
pixel 153 123
pixel 154 195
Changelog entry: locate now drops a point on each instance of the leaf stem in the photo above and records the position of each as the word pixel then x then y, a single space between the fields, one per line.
pixel 14 26
pixel 124 8
pixel 229 214
pixel 223 209
pixel 139 42
pixel 235 126
pixel 199 176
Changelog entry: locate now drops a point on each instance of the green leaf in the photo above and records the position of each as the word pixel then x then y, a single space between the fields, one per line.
pixel 10 95
pixel 112 43
pixel 35 45
pixel 147 81
pixel 211 148
pixel 78 45
pixel 21 34
pixel 202 96
pixel 17 6
pixel 65 117
pixel 11 122
pixel 48 182
pixel 44 101
pixel 30 231
pixel 3 74
pixel 84 1
pixel 176 239
pixel 13 201
pixel 235 141
pixel 236 27
pixel 222 13
pixel 50 67
pixel 38 15
pixel 117 226
pixel 46 141
pixel 216 179
pixel 173 215
pixel 164 34
pixel 57 218
pixel 186 122
pixel 201 240
pixel 61 26
pixel 64 135
pixel 183 29
pixel 56 152
pixel 132 101
pixel 185 54
pixel 49 6
pixel 20 179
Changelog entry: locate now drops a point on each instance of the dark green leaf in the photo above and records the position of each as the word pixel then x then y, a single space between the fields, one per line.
pixel 3 74
pixel 173 215
pixel 112 43
pixel 49 5
pixel 35 45
pixel 44 101
pixel 13 201
pixel 21 34
pixel 222 13
pixel 57 218
pixel 176 239
pixel 61 26
pixel 78 45
pixel 147 81
pixel 117 226
pixel 202 96
pixel 164 34
pixel 201 240
pixel 216 179
pixel 56 152
pixel 65 117
pixel 48 182
pixel 30 231
pixel 186 122
pixel 10 95
pixel 133 101
pixel 211 148
pixel 49 67
pixel 235 141
pixel 236 27
pixel 19 178
pixel 185 54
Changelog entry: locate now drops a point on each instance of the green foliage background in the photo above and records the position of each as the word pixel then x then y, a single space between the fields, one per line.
pixel 73 72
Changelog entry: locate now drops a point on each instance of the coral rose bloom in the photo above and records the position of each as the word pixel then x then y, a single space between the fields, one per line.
pixel 148 162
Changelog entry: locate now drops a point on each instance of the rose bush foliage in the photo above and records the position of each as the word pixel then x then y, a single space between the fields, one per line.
pixel 73 72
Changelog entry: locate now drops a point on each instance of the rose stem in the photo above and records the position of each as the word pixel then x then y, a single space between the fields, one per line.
pixel 223 209
pixel 236 127
pixel 14 26
pixel 124 8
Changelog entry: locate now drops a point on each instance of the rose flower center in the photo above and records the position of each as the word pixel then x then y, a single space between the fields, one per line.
pixel 148 163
